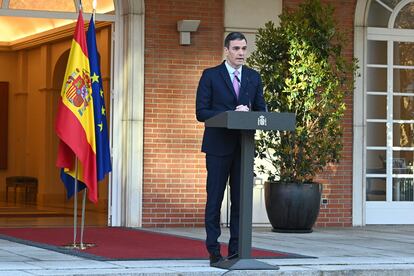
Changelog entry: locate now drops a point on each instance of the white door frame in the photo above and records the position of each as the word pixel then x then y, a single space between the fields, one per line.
pixel 127 114
pixel 359 127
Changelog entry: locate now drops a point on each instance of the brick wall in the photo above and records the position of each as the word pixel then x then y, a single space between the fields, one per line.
pixel 174 167
pixel 337 179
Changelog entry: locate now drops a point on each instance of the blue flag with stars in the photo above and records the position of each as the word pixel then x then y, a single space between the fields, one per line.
pixel 103 157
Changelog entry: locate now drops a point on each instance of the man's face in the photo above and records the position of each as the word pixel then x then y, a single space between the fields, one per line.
pixel 236 53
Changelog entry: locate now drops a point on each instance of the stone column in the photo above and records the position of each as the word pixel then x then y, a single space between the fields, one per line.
pixel 127 114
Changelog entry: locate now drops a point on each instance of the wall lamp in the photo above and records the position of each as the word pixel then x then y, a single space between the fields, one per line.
pixel 185 27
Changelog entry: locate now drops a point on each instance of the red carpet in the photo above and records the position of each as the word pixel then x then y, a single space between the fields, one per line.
pixel 122 243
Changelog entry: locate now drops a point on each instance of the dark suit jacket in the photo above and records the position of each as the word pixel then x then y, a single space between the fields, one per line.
pixel 215 94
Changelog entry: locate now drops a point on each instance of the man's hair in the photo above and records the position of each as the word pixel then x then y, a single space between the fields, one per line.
pixel 233 36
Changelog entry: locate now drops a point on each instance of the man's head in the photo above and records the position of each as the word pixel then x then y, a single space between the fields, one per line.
pixel 235 47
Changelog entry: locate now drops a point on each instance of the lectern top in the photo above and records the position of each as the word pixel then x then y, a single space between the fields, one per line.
pixel 253 120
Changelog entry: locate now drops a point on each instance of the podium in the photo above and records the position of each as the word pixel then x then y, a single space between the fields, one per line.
pixel 247 123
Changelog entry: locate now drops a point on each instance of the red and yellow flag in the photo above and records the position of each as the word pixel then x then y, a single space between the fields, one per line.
pixel 75 124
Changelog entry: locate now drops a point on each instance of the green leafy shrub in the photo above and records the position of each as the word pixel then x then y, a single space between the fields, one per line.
pixel 304 71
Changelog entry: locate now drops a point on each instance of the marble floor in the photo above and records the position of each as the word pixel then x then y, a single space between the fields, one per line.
pixel 29 215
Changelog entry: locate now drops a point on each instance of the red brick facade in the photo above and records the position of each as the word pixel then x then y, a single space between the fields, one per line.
pixel 174 167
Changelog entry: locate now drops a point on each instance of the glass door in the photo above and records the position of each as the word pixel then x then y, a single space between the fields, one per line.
pixel 390 132
pixel 389 115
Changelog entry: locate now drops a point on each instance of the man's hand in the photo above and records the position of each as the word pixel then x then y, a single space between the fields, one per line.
pixel 241 108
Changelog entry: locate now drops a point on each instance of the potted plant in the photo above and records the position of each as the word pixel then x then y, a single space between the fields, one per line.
pixel 305 72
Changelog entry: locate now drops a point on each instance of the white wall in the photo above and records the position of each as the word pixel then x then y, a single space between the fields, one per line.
pixel 247 16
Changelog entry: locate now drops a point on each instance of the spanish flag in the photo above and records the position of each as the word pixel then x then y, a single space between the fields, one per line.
pixel 75 125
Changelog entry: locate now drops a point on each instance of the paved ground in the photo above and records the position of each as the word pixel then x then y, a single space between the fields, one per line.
pixel 371 250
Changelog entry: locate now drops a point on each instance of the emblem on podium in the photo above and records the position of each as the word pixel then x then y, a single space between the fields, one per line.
pixel 261 121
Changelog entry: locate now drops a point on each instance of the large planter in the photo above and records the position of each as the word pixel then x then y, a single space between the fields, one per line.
pixel 292 207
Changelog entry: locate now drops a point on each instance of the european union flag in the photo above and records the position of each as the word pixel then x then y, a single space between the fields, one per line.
pixel 103 157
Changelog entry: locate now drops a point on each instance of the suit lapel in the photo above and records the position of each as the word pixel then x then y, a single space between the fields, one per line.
pixel 225 74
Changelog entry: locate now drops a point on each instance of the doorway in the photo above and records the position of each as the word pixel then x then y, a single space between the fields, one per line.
pixel 31 192
pixel 389 118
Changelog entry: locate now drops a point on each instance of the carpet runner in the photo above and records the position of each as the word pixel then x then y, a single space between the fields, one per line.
pixel 116 243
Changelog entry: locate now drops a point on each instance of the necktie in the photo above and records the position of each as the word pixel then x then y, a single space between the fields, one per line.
pixel 236 83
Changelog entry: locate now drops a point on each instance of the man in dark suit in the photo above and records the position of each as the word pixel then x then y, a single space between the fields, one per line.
pixel 228 86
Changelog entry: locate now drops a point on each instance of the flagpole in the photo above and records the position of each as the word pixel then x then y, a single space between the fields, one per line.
pixel 74 245
pixel 76 179
pixel 75 204
pixel 75 196
pixel 82 246
pixel 93 9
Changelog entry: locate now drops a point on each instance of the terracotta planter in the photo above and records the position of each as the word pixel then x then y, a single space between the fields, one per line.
pixel 292 207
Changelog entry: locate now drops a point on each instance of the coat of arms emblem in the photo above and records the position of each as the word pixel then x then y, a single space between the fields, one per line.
pixel 79 86
pixel 262 121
